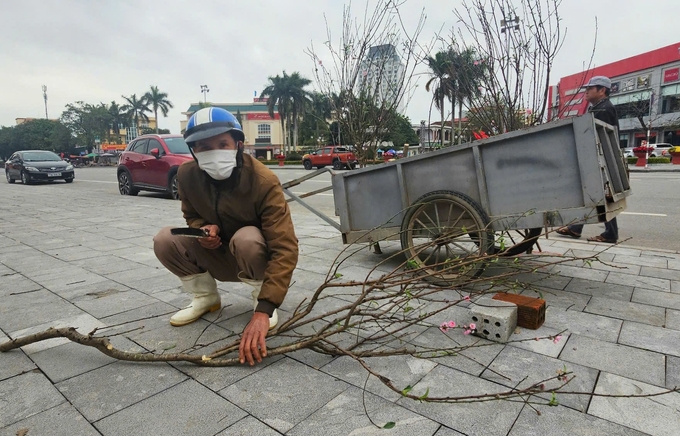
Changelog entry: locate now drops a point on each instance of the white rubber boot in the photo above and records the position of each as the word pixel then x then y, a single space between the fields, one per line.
pixel 257 284
pixel 206 298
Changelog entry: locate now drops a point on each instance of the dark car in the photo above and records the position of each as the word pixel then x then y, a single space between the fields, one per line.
pixel 37 166
pixel 150 163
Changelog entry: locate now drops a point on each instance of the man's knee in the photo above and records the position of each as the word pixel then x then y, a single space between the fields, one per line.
pixel 162 242
pixel 250 249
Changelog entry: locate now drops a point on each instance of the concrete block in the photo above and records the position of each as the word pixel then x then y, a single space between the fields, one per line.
pixel 495 320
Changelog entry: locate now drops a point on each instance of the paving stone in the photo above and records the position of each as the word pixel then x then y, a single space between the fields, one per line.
pixel 83 323
pixel 547 347
pixel 310 358
pixel 486 418
pixel 73 253
pixel 401 370
pixel 654 415
pixel 541 281
pixel 627 311
pixel 472 360
pixel 605 290
pixel 217 379
pixel 14 362
pixel 106 264
pixel 560 421
pixel 655 298
pixel 633 363
pixel 639 281
pixel 445 431
pixel 249 426
pixel 581 323
pixel 66 281
pixel 26 395
pixel 16 284
pixel 24 310
pixel 196 410
pixel 110 301
pixel 651 338
pixel 579 272
pixel 72 359
pixel 157 283
pixel 347 414
pixel 157 309
pixel 268 395
pixel 515 368
pixel 62 420
pixel 661 273
pixel 106 390
pixel 672 319
pixel 654 261
pixel 675 286
pixel 562 299
pixel 672 372
pixel 159 336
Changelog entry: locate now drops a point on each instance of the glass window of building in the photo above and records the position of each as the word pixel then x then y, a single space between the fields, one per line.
pixel 670 99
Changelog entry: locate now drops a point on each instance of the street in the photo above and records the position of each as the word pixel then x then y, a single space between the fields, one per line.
pixel 647 222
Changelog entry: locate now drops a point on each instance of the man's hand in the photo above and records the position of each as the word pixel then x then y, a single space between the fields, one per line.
pixel 213 240
pixel 253 345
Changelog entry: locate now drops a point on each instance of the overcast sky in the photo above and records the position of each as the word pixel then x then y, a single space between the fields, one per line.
pixel 96 50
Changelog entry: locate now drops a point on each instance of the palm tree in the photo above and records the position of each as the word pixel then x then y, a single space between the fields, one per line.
pixel 158 100
pixel 465 74
pixel 286 95
pixel 119 117
pixel 301 100
pixel 137 109
pixel 439 83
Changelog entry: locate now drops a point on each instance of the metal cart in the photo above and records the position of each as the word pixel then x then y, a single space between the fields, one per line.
pixel 453 203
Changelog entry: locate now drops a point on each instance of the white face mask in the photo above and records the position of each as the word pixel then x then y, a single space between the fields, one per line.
pixel 219 164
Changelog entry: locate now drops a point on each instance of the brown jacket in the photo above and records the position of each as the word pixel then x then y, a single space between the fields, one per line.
pixel 252 196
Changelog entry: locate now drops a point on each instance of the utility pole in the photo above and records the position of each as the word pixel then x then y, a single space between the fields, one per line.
pixel 507 24
pixel 44 89
pixel 205 90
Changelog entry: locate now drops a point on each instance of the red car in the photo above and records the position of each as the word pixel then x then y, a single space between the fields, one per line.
pixel 150 163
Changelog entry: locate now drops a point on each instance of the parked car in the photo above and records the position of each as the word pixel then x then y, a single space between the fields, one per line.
pixel 338 156
pixel 37 166
pixel 628 152
pixel 661 149
pixel 150 163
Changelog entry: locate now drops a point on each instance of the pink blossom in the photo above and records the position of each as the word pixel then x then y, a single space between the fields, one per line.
pixel 467 297
pixel 473 326
pixel 557 339
pixel 444 327
pixel 466 332
pixel 452 324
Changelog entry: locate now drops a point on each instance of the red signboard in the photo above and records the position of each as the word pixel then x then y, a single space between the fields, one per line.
pixel 262 116
pixel 671 75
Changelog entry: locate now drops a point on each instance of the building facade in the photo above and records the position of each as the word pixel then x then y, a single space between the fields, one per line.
pixel 382 73
pixel 645 91
pixel 264 135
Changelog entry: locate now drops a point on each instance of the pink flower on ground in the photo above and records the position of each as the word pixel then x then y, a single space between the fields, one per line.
pixel 473 326
pixel 444 327
pixel 467 297
pixel 466 332
pixel 557 339
pixel 452 324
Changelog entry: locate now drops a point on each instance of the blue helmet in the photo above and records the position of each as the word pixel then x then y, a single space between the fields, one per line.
pixel 212 121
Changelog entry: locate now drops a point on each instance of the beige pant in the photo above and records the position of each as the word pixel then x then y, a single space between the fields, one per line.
pixel 184 256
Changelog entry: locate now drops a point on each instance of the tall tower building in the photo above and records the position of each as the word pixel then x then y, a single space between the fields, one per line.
pixel 382 74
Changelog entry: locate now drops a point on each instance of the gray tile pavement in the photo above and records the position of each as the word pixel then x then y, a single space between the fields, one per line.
pixel 88 262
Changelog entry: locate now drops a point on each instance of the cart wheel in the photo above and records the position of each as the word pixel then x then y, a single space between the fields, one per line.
pixel 442 234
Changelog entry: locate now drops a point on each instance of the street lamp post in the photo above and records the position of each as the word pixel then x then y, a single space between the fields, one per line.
pixel 205 90
pixel 507 24
pixel 44 90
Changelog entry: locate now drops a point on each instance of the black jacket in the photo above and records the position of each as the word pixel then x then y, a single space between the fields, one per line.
pixel 605 111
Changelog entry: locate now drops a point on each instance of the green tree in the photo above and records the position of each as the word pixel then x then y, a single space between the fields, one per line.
pixel 465 75
pixel 158 100
pixel 399 131
pixel 87 122
pixel 137 109
pixel 6 149
pixel 119 118
pixel 37 134
pixel 149 130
